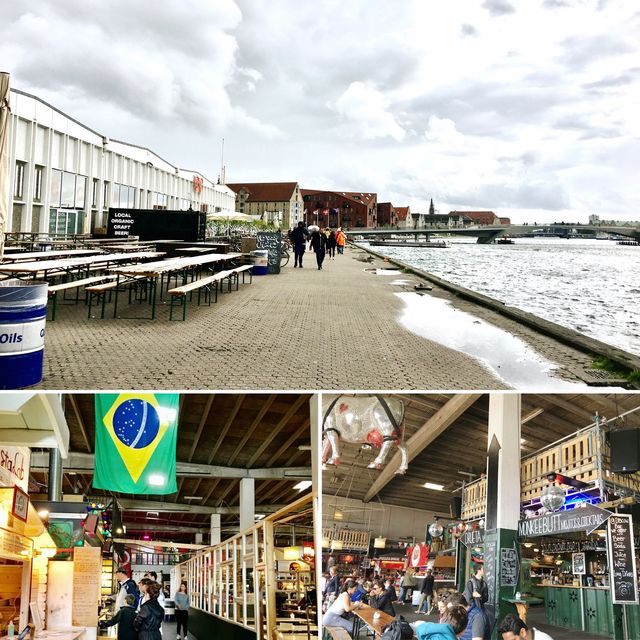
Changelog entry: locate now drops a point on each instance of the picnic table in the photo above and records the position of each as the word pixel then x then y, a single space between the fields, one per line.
pixel 172 267
pixel 366 615
pixel 70 266
pixel 27 256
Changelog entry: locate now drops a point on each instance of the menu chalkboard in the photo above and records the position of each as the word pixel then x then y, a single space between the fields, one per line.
pixel 578 564
pixel 622 560
pixel 272 241
pixel 508 568
pixel 490 568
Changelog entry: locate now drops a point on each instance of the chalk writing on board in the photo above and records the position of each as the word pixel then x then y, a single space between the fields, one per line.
pixel 272 241
pixel 622 560
pixel 508 568
pixel 578 564
pixel 490 568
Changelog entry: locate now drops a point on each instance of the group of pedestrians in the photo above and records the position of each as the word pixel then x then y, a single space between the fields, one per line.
pixel 140 608
pixel 323 242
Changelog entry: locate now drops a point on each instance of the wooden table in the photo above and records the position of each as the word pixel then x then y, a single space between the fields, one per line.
pixel 366 615
pixel 522 605
pixel 27 256
pixel 157 270
pixel 51 268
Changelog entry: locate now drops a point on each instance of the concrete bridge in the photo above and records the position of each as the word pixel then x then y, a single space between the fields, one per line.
pixel 488 234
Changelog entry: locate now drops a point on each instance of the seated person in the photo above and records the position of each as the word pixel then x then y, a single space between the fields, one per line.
pixel 381 598
pixel 514 628
pixel 453 626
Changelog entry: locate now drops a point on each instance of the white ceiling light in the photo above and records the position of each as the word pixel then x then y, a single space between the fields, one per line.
pixel 434 486
pixel 193 497
pixel 302 485
pixel 157 480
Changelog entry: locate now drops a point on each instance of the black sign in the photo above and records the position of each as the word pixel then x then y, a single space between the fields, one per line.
pixel 473 538
pixel 568 546
pixel 587 518
pixel 490 568
pixel 272 241
pixel 156 224
pixel 622 560
pixel 508 568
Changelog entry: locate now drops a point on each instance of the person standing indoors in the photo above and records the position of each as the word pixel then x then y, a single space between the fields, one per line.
pixel 148 622
pixel 341 240
pixel 406 585
pixel 332 588
pixel 182 610
pixel 426 593
pixel 299 241
pixel 154 576
pixel 341 605
pixel 127 587
pixel 331 244
pixel 319 246
pixel 124 619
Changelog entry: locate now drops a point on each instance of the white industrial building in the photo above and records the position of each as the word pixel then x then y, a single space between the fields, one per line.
pixel 65 176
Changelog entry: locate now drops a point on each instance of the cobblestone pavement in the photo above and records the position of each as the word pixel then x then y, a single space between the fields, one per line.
pixel 303 329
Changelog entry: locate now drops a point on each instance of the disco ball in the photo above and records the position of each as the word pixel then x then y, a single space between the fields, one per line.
pixel 436 530
pixel 552 497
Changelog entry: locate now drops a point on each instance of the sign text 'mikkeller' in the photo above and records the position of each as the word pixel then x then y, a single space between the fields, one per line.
pixel 587 518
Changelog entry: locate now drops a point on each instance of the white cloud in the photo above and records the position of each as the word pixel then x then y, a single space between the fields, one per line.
pixel 366 110
pixel 360 95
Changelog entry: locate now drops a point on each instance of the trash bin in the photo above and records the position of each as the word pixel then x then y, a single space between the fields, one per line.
pixel 23 315
pixel 260 260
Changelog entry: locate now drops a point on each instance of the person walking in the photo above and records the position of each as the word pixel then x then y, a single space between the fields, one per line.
pixel 181 600
pixel 148 622
pixel 341 605
pixel 124 619
pixel 319 246
pixel 406 586
pixel 299 240
pixel 331 244
pixel 341 240
pixel 426 593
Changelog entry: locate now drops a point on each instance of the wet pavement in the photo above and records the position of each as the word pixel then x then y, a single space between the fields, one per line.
pixel 336 329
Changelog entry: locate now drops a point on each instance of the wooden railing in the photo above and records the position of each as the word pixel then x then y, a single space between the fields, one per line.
pixel 584 456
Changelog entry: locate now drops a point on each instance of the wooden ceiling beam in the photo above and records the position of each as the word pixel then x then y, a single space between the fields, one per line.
pixel 254 425
pixel 76 412
pixel 201 425
pixel 427 433
pixel 223 434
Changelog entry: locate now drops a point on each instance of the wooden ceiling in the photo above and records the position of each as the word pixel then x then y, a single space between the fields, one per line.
pixel 240 431
pixel 459 453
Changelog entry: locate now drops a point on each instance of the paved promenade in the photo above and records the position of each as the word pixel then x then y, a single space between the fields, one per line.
pixel 303 329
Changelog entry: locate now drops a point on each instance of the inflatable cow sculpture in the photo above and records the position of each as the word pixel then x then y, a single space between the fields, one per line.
pixel 377 421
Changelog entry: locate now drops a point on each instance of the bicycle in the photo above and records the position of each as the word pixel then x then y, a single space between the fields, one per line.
pixel 285 255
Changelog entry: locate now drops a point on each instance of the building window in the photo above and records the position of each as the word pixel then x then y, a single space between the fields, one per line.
pixel 94 193
pixel 56 182
pixel 105 195
pixel 37 183
pixel 16 220
pixel 18 189
pixel 35 219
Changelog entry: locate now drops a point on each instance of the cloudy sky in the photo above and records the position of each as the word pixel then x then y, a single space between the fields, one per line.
pixel 529 108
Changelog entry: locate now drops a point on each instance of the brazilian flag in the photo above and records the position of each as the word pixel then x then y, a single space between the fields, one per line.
pixel 136 436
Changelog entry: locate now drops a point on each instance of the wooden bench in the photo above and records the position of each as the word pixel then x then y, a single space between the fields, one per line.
pixel 247 268
pixel 179 294
pixel 72 284
pixel 99 292
pixel 337 633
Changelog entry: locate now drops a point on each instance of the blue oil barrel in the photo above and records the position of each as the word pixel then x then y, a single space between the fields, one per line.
pixel 23 315
pixel 260 262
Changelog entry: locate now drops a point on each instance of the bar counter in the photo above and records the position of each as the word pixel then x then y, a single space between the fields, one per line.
pixel 71 634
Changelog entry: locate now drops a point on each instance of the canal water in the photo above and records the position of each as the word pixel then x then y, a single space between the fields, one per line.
pixel 592 286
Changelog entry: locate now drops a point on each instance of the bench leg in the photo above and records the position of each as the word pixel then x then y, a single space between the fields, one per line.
pixel 54 299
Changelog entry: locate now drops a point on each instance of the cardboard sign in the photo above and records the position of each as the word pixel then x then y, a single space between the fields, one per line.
pixel 14 466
